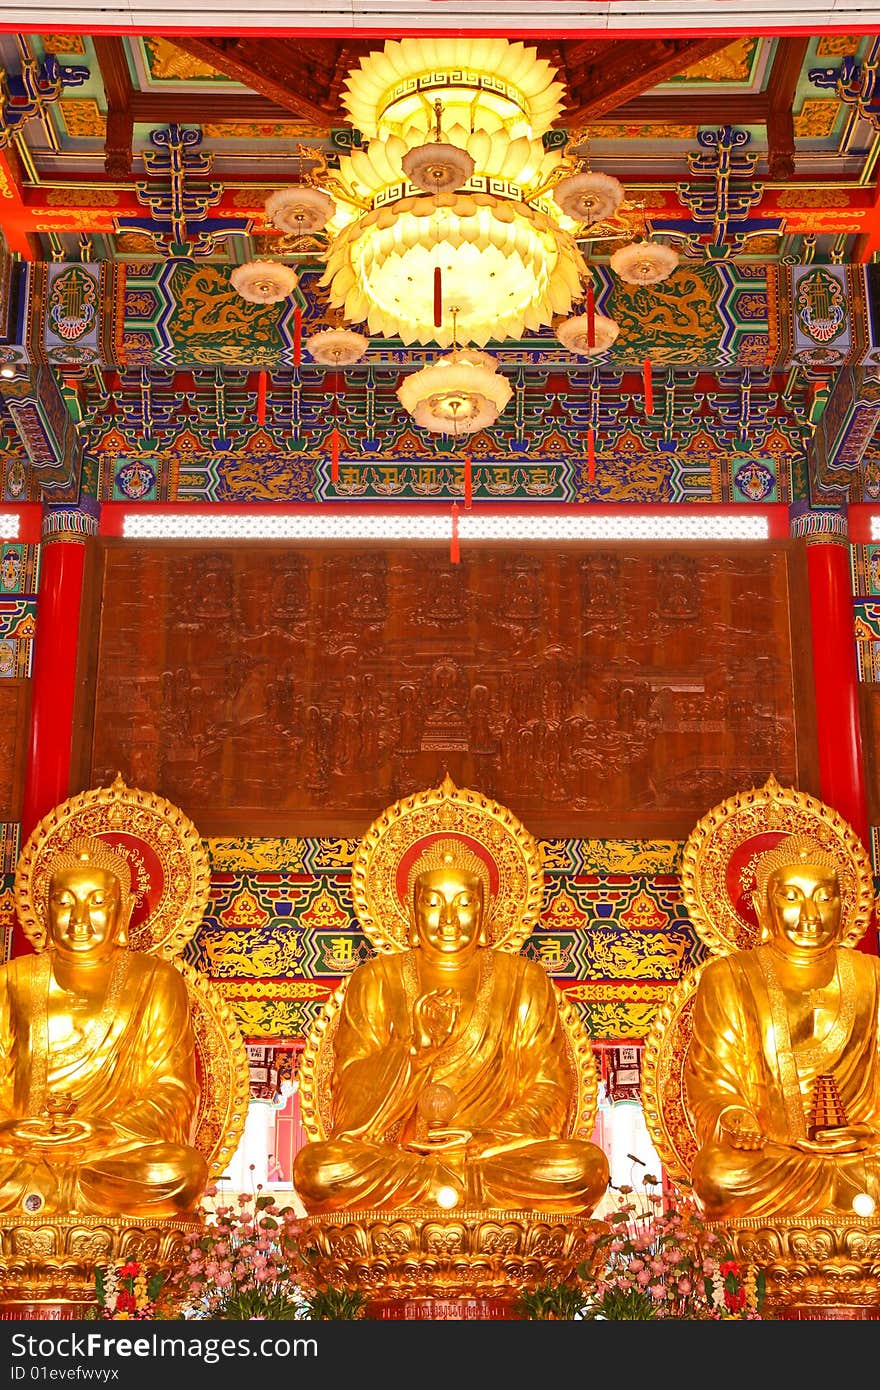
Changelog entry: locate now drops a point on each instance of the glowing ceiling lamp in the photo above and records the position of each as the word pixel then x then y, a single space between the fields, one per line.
pixel 585 337
pixel 337 347
pixel 644 262
pixel 458 394
pixel 488 238
pixel 264 282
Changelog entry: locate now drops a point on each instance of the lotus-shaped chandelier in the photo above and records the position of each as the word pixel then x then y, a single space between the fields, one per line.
pixel 425 220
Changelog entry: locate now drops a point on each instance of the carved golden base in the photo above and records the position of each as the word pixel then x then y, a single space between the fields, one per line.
pixel 47 1264
pixel 816 1267
pixel 421 1263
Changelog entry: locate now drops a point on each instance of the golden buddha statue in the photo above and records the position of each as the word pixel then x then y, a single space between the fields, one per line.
pixel 100 1088
pixel 761 1075
pixel 448 1088
pixel 782 1075
pixel 451 1083
pixel 124 1084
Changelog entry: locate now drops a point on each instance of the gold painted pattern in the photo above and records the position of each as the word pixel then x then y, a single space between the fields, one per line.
pixel 169 63
pixel 83 118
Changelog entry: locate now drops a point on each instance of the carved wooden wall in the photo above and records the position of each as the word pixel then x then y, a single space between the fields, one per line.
pixel 869 714
pixel 595 691
pixel 15 696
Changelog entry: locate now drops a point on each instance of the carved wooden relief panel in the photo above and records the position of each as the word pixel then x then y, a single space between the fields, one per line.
pixel 596 692
pixel 869 712
pixel 14 707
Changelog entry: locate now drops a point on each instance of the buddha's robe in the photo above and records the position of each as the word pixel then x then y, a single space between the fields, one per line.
pixel 130 1067
pixel 508 1066
pixel 740 1055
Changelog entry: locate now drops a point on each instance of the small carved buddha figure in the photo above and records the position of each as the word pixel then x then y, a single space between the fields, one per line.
pixel 98 1087
pixel 782 1072
pixel 451 1085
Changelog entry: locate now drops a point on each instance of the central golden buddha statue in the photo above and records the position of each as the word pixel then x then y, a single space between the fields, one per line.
pixel 99 1090
pixel 452 1083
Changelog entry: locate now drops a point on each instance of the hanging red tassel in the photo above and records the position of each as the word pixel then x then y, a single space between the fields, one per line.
pixel 648 380
pixel 591 455
pixel 468 481
pixel 591 318
pixel 454 548
pixel 334 454
pixel 297 336
pixel 261 398
pixel 438 298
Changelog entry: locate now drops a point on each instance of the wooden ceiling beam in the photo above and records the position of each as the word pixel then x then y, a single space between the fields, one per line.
pixel 736 108
pixel 631 68
pixel 118 90
pixel 195 108
pixel 781 90
pixel 269 69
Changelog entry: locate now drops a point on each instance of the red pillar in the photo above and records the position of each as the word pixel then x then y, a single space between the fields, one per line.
pixel 836 677
pixel 53 675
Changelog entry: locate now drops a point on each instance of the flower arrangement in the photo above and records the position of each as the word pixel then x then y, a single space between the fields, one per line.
pixel 662 1261
pixel 126 1291
pixel 553 1302
pixel 240 1266
pixel 336 1305
pixel 655 1261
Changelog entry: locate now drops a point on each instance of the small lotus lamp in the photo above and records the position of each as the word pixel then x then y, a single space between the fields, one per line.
pixel 460 393
pixel 644 262
pixel 588 197
pixel 437 167
pixel 300 210
pixel 264 282
pixel 574 334
pixel 337 347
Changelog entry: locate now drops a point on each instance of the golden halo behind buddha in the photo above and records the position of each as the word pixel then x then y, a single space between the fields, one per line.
pixel 405 829
pixel 169 863
pixel 722 852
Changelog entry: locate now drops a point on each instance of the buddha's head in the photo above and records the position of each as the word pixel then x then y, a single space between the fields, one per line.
pixel 797 896
pixel 448 889
pixel 89 900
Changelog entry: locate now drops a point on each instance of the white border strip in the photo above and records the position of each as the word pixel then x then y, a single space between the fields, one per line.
pixel 404 16
pixel 10 526
pixel 141 525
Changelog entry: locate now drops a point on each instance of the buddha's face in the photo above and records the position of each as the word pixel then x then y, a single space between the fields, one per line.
pixel 803 907
pixel 448 910
pixel 85 916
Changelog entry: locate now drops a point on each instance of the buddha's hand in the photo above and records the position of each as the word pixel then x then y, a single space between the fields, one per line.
pixel 486 1143
pixel 435 1015
pixel 838 1139
pixel 740 1130
pixel 42 1131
